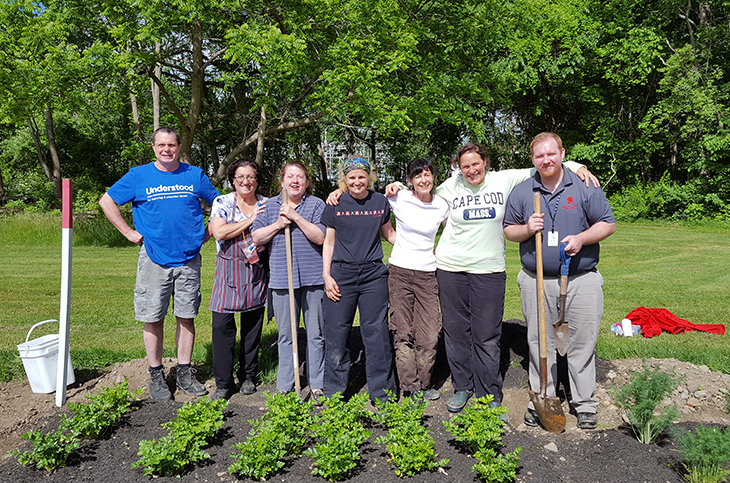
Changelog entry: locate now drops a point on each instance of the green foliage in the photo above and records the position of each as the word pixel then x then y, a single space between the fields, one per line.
pixel 339 435
pixel 727 402
pixel 94 419
pixel 195 424
pixel 706 453
pixel 409 443
pixel 640 399
pixel 95 230
pixel 281 432
pixel 480 429
pixel 668 200
pixel 50 450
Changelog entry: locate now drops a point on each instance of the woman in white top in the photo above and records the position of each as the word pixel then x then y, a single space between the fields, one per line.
pixel 415 319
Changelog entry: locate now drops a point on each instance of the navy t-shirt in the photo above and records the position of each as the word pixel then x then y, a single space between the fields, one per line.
pixel 575 208
pixel 357 223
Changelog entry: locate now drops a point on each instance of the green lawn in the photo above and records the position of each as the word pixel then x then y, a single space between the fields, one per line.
pixel 685 270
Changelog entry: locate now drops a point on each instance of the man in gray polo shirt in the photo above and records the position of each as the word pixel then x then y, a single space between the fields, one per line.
pixel 580 216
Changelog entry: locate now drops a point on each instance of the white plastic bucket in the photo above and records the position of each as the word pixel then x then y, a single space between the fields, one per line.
pixel 40 360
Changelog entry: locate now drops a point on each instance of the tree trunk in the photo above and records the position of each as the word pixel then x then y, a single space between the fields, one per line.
pixel 197 78
pixel 40 152
pixel 2 186
pixel 261 136
pixel 57 189
pixel 156 92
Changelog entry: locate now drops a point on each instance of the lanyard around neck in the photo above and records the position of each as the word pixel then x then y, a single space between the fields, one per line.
pixel 555 214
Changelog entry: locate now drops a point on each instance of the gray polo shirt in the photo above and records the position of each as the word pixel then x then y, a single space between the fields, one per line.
pixel 571 209
pixel 306 256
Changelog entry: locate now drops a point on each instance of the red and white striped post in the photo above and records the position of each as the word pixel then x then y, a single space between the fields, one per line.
pixel 63 330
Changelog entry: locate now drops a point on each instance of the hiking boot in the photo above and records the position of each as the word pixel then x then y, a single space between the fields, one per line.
pixel 188 384
pixel 503 416
pixel 248 387
pixel 458 401
pixel 587 420
pixel 221 394
pixel 531 418
pixel 158 385
pixel 431 394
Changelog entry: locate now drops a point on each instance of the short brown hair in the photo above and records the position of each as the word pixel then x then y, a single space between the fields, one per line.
pixel 296 164
pixel 471 148
pixel 544 136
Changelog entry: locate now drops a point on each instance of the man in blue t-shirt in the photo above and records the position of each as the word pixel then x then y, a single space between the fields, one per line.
pixel 169 228
pixel 579 216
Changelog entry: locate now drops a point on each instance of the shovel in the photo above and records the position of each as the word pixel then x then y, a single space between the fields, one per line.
pixel 561 331
pixel 548 409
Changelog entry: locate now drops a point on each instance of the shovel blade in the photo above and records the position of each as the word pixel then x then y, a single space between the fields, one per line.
pixel 550 412
pixel 561 332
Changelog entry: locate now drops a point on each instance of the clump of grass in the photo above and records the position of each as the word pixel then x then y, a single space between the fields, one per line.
pixel 706 453
pixel 640 399
pixel 31 229
pixel 98 231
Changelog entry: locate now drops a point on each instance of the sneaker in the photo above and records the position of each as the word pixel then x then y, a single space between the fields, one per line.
pixel 503 416
pixel 188 384
pixel 248 387
pixel 317 397
pixel 458 401
pixel 587 420
pixel 158 385
pixel 531 418
pixel 221 394
pixel 431 394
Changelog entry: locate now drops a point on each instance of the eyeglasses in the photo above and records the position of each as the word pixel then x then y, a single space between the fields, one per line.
pixel 240 178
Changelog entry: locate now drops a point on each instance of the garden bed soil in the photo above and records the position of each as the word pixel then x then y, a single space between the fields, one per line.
pixel 607 454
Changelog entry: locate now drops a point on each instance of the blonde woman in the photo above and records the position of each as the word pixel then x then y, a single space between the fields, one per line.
pixel 356 278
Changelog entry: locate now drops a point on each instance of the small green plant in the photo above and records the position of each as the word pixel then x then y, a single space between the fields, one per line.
pixel 409 443
pixel 94 419
pixel 727 402
pixel 190 431
pixel 705 453
pixel 640 399
pixel 480 429
pixel 50 450
pixel 340 434
pixel 282 431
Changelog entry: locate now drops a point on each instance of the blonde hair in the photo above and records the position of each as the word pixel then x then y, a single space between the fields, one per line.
pixel 342 184
pixel 544 136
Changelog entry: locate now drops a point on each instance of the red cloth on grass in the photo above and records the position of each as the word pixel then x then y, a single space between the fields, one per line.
pixel 653 321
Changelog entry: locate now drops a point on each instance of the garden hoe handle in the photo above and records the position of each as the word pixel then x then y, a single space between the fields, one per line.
pixel 549 409
pixel 292 309
pixel 561 331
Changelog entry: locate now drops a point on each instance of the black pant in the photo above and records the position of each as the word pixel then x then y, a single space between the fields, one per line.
pixel 473 305
pixel 224 346
pixel 363 287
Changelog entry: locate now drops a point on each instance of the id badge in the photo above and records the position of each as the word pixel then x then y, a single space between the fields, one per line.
pixel 552 238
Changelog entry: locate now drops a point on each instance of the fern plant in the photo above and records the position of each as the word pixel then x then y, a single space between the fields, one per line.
pixel 641 397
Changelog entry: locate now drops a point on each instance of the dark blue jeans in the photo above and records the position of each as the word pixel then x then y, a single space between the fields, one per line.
pixel 363 287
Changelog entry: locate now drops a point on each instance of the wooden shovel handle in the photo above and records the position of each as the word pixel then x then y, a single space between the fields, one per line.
pixel 292 309
pixel 542 333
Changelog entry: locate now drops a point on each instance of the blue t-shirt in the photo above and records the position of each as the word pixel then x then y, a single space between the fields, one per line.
pixel 166 209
